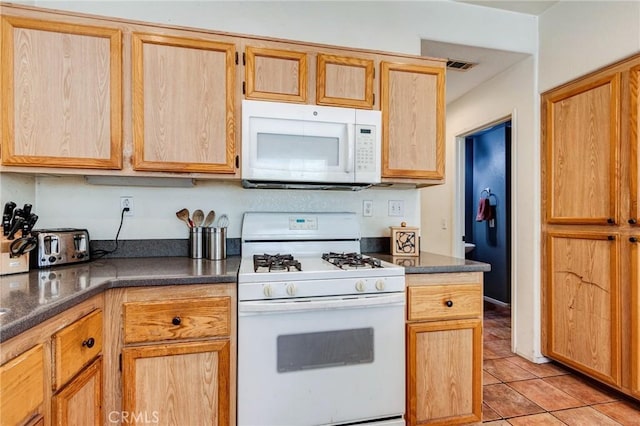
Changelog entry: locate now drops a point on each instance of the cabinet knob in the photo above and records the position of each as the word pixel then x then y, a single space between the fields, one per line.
pixel 611 221
pixel 89 342
pixel 611 237
pixel 449 303
pixel 176 321
pixel 632 221
pixel 633 239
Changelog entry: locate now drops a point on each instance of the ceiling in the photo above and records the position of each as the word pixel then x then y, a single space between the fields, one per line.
pixel 489 62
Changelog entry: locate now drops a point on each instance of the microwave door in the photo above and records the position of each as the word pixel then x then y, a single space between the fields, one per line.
pixel 298 150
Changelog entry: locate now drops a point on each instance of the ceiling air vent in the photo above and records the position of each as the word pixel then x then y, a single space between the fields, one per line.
pixel 458 65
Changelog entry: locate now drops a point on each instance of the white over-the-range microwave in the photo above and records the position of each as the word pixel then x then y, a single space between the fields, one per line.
pixel 287 145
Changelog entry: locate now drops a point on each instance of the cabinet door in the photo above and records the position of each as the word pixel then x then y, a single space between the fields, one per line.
pixel 582 302
pixel 80 402
pixel 634 166
pixel 444 372
pixel 412 104
pixel 61 94
pixel 581 145
pixel 276 75
pixel 344 81
pixel 183 104
pixel 22 387
pixel 635 315
pixel 180 383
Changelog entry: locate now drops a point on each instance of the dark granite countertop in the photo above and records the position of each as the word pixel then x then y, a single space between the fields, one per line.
pixel 28 299
pixel 431 263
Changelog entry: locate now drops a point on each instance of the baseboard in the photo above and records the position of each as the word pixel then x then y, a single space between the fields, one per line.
pixel 497 302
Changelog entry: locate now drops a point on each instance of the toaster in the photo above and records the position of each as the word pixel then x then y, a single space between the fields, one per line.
pixel 59 246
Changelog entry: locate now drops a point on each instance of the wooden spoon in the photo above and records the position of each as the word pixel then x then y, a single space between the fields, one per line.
pixel 184 216
pixel 210 217
pixel 198 217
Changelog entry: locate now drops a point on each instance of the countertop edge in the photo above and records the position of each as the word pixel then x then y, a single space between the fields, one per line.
pixel 426 263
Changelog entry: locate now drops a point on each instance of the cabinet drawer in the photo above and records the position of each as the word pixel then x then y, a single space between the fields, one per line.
pixel 176 319
pixel 75 346
pixel 22 386
pixel 444 301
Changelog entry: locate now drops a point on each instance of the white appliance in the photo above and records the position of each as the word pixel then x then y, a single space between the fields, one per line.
pixel 284 143
pixel 321 336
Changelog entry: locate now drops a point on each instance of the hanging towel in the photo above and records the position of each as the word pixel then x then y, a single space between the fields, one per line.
pixel 485 212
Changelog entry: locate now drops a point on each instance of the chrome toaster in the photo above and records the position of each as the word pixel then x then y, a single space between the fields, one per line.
pixel 60 246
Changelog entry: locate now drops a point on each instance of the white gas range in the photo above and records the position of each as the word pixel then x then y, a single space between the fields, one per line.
pixel 320 326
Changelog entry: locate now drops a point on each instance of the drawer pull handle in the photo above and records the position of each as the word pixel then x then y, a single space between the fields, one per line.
pixel 89 342
pixel 633 239
pixel 449 303
pixel 176 321
pixel 632 221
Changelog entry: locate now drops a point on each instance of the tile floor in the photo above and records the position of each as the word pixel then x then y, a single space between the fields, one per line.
pixel 520 393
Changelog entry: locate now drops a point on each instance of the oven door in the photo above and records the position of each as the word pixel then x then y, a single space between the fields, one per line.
pixel 321 361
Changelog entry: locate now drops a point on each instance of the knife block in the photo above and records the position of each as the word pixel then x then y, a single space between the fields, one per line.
pixel 11 265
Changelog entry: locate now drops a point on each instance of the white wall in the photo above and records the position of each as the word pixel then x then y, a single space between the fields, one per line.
pixel 577 37
pixel 384 25
pixel 512 93
pixel 69 201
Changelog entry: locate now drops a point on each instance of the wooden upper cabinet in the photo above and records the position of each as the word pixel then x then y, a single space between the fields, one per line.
pixel 412 104
pixel 583 302
pixel 183 104
pixel 581 144
pixel 634 127
pixel 275 74
pixel 61 91
pixel 344 81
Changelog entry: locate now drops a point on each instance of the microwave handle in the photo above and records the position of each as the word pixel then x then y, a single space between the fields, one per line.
pixel 351 146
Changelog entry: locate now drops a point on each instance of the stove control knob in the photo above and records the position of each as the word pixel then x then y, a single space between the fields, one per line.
pixel 291 289
pixel 380 285
pixel 360 286
pixel 268 291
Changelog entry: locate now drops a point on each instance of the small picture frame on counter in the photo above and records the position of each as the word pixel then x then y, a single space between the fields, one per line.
pixel 405 240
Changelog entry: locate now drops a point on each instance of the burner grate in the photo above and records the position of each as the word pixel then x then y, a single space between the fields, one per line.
pixel 351 260
pixel 275 262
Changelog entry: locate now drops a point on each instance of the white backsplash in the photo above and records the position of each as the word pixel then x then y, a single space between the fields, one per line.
pixel 71 202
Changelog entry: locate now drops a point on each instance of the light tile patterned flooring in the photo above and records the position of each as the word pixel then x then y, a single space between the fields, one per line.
pixel 518 392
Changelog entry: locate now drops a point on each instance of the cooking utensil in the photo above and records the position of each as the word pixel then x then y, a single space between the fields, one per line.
pixel 183 215
pixel 7 214
pixel 223 221
pixel 209 219
pixel 15 225
pixel 29 223
pixel 22 245
pixel 198 217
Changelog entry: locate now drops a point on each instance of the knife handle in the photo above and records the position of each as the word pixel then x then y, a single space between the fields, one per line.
pixel 26 210
pixel 17 224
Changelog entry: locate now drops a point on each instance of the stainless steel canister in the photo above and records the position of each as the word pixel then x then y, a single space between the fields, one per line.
pixel 195 243
pixel 215 243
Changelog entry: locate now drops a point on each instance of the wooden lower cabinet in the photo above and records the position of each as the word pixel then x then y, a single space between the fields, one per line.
pixel 443 372
pixel 177 383
pixel 22 387
pixel 444 348
pixel 583 303
pixel 80 401
pixel 172 360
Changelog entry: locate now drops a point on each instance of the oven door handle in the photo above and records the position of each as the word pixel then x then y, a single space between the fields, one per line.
pixel 311 304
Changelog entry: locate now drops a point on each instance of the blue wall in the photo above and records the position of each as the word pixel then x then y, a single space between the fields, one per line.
pixel 488 166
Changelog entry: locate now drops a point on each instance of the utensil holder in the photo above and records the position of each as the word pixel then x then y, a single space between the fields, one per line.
pixel 195 243
pixel 215 243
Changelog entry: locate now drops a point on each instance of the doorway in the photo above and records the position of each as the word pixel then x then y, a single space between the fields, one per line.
pixel 487 206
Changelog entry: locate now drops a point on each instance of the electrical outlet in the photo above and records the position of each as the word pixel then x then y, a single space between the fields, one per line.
pixel 396 208
pixel 126 202
pixel 367 208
